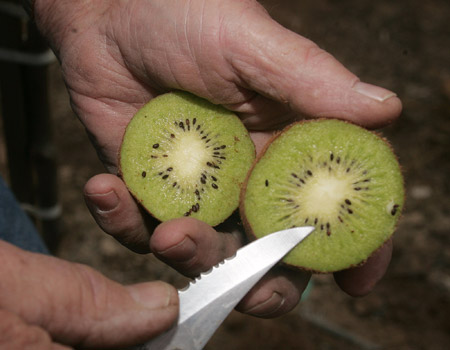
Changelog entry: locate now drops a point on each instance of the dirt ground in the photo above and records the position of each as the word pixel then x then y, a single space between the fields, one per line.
pixel 402 45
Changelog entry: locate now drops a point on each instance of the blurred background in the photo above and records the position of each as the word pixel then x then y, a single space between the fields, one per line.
pixel 401 45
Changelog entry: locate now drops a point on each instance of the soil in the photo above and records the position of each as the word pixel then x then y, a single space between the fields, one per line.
pixel 401 45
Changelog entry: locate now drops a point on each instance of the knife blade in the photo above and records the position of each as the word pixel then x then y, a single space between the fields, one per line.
pixel 208 300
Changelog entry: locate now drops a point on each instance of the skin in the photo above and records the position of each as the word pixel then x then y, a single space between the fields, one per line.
pixel 117 55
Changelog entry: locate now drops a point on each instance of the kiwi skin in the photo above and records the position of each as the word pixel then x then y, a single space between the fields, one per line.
pixel 250 231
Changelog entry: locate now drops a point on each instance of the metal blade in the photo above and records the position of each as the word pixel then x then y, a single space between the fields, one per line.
pixel 208 300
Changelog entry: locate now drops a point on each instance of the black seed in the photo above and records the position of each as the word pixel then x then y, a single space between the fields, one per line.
pixel 152 156
pixel 160 173
pixel 169 169
pixel 156 145
pixel 194 208
pixel 187 213
pixel 302 181
pixel 144 174
pixel 209 164
pixel 207 140
pixel 321 227
pixel 216 153
pixel 181 125
pixel 267 183
pixel 309 172
pixel 306 220
pixel 357 188
pixel 348 170
pixel 316 221
pixel 294 175
pixel 394 209
pixel 198 127
pixel 214 178
pixel 223 146
pixel 350 211
pixel 348 201
pixel 331 156
pixel 172 136
pixel 328 233
pixel 165 155
pixel 194 121
pixel 328 225
pixel 174 184
pixel 165 177
pixel 214 186
pixel 188 124
pixel 202 180
pixel 340 219
pixel 338 160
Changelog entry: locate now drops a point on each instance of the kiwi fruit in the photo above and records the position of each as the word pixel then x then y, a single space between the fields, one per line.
pixel 331 174
pixel 184 156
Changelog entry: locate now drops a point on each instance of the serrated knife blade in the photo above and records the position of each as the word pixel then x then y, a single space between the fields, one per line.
pixel 209 299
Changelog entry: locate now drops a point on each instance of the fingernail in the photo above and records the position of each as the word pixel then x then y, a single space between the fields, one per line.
pixel 267 307
pixel 374 92
pixel 180 252
pixel 103 202
pixel 153 295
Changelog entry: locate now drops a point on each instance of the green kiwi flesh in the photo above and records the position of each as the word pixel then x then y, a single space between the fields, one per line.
pixel 336 176
pixel 183 156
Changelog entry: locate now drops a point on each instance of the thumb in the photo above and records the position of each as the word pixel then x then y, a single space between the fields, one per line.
pixel 285 67
pixel 78 306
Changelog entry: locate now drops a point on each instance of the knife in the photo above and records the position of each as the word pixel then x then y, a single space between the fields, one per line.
pixel 207 301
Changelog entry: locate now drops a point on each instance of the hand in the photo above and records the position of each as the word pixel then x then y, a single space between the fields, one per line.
pixel 118 55
pixel 47 303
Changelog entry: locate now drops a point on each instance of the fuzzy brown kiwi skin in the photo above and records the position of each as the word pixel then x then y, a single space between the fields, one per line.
pixel 247 227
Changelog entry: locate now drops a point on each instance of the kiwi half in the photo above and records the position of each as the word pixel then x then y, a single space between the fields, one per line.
pixel 183 156
pixel 336 176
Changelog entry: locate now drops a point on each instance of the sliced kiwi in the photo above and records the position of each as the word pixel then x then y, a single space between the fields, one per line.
pixel 336 176
pixel 183 156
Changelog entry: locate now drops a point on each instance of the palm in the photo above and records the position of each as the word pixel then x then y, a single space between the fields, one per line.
pixel 139 64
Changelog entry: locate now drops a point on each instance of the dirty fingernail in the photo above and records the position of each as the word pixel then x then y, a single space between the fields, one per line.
pixel 180 252
pixel 103 202
pixel 372 91
pixel 268 307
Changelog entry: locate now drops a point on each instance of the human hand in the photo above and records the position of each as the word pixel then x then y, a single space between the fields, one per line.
pixel 47 303
pixel 116 56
